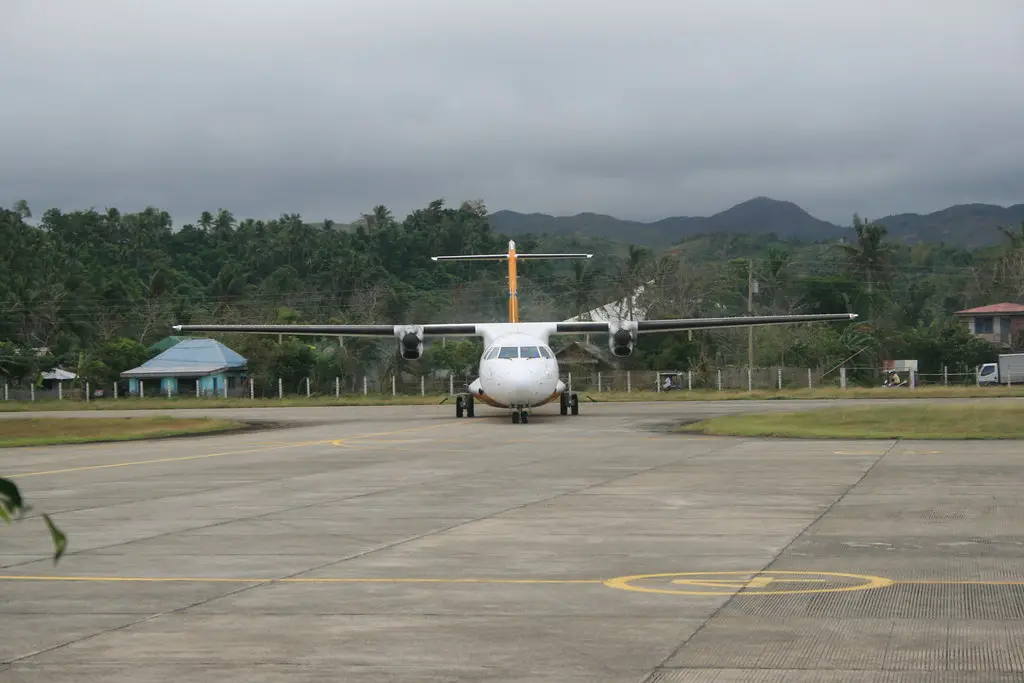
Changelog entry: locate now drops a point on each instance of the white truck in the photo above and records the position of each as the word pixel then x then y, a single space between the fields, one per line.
pixel 1009 370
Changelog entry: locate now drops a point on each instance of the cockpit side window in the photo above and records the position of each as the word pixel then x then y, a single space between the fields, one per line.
pixel 545 352
pixel 491 353
pixel 509 352
pixel 529 352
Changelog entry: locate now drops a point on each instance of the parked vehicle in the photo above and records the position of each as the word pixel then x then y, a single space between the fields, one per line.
pixel 1008 370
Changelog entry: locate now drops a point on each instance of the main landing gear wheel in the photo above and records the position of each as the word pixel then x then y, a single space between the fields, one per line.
pixel 569 403
pixel 463 404
pixel 520 416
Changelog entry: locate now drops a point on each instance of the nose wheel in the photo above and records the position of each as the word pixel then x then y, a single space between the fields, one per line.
pixel 463 406
pixel 520 416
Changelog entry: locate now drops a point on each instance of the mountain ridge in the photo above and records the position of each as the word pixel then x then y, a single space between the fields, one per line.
pixel 964 225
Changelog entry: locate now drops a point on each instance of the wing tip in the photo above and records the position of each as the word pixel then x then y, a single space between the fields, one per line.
pixel 176 328
pixel 853 316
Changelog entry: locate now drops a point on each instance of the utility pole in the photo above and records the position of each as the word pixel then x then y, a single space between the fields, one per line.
pixel 750 311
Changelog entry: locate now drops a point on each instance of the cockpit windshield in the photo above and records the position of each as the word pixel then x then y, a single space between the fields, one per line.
pixel 509 352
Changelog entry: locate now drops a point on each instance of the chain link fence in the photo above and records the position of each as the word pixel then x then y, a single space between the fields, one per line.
pixel 591 381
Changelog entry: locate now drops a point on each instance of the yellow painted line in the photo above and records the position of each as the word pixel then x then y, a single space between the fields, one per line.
pixel 297 444
pixel 759 580
pixel 193 579
pixel 159 460
pixel 858 452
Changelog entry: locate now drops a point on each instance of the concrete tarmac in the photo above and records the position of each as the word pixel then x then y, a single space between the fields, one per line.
pixel 402 544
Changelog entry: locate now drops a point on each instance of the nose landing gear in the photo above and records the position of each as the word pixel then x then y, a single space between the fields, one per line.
pixel 569 403
pixel 464 404
pixel 520 416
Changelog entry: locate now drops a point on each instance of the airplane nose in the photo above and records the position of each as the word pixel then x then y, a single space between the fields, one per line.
pixel 520 384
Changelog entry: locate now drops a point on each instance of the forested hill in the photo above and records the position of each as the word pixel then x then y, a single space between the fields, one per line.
pixel 966 225
pixel 95 288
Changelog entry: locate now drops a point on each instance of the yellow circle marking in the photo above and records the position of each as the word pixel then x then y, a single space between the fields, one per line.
pixel 727 583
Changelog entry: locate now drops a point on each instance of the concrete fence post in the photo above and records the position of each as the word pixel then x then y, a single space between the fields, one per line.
pixel 810 381
pixel 423 385
pixel 307 387
pixel 168 391
pixel 224 390
pixel 5 391
pixel 451 384
pixel 689 380
pixel 364 385
pixel 780 379
pixel 599 381
pixel 252 390
pixel 392 386
pixel 570 382
pixel 945 376
pixel 32 391
pixel 337 387
pixel 842 377
pixel 750 379
pixel 719 379
pixel 198 386
pixel 913 379
pixel 629 382
pixel 280 388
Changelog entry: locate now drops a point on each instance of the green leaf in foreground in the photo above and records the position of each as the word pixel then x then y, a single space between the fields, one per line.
pixel 10 499
pixel 13 507
pixel 60 539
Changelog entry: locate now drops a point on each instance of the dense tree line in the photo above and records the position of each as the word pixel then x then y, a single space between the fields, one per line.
pixel 90 290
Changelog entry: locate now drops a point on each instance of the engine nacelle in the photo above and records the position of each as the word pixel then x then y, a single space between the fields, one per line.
pixel 410 341
pixel 622 337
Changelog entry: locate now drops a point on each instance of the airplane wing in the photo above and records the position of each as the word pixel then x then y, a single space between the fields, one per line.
pixel 680 324
pixel 410 336
pixel 437 330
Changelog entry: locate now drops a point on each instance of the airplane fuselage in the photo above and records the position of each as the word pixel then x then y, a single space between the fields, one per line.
pixel 518 369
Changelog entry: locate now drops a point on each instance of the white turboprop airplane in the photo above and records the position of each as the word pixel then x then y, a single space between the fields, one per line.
pixel 518 370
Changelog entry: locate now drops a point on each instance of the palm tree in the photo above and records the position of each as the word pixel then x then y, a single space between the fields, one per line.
pixel 870 255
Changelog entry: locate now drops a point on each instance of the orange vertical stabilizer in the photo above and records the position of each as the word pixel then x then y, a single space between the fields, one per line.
pixel 513 293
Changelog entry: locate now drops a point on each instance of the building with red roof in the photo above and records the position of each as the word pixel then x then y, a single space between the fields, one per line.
pixel 996 323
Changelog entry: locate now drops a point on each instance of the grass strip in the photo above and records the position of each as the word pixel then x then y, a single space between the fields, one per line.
pixel 925 421
pixel 48 431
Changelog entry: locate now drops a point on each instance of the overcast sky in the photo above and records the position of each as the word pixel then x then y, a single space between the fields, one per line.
pixel 640 109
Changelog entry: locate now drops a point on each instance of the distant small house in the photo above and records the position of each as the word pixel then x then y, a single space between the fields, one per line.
pixel 996 323
pixel 52 378
pixel 192 366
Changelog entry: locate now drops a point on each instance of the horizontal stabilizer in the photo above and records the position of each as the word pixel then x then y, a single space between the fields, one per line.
pixel 471 257
pixel 545 256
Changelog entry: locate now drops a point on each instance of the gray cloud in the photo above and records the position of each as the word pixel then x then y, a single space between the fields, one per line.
pixel 641 109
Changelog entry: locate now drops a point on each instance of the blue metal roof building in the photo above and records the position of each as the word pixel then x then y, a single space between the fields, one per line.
pixel 192 366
